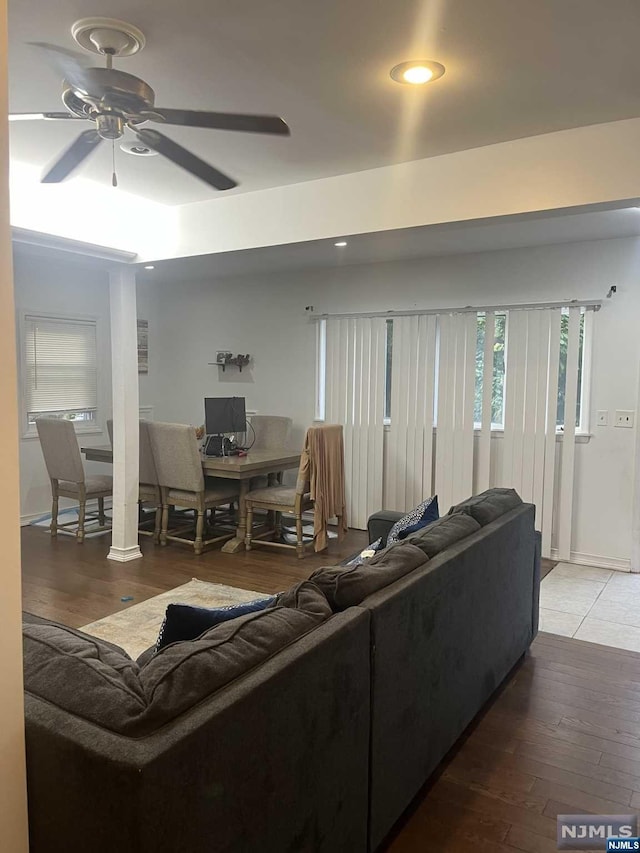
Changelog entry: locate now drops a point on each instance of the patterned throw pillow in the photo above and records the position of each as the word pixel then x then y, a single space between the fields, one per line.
pixel 366 554
pixel 415 520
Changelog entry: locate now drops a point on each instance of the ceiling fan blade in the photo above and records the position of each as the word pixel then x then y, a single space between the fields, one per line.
pixel 72 157
pixel 68 64
pixel 224 121
pixel 181 157
pixel 43 116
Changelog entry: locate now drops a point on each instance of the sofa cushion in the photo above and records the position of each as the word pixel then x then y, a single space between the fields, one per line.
pixel 445 532
pixel 489 505
pixel 424 514
pixel 186 621
pixel 77 673
pixel 346 586
pixel 81 674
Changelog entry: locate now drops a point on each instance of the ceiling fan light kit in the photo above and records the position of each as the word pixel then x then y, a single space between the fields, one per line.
pixel 116 102
pixel 137 149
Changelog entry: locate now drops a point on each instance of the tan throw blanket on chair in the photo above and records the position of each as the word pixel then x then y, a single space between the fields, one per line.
pixel 323 457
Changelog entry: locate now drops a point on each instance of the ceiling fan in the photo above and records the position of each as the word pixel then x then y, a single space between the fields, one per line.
pixel 114 101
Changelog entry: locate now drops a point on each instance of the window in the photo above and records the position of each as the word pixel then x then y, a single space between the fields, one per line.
pixel 387 375
pixel 60 370
pixel 499 370
pixel 497 391
pixel 562 371
pixel 321 369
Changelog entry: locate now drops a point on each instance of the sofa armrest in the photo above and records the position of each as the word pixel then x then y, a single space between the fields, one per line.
pixel 380 523
pixel 535 611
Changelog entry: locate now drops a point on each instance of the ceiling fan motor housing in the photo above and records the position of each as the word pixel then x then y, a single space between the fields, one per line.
pixel 112 98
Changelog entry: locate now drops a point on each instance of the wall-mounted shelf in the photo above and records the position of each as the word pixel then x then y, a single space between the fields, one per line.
pixel 227 359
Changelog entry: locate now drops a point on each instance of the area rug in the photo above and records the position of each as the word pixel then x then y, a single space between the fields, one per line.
pixel 71 514
pixel 137 627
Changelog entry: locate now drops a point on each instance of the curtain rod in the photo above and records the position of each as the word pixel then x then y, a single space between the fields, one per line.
pixel 587 304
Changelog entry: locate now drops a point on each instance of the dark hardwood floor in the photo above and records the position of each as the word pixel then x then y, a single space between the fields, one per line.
pixel 76 584
pixel 562 736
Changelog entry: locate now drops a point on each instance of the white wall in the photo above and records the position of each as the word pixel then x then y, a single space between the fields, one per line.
pixel 568 168
pixel 266 316
pixel 51 286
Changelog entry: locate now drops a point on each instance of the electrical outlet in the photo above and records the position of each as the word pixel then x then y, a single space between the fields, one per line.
pixel 624 418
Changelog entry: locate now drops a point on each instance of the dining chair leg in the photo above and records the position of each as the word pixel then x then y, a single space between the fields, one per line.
pixel 158 525
pixel 247 538
pixel 299 537
pixel 101 516
pixel 82 507
pixel 54 508
pixel 197 545
pixel 165 524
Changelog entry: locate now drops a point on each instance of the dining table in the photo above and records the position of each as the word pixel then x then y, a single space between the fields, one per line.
pixel 254 463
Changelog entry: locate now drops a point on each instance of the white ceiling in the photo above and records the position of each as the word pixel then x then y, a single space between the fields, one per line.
pixel 515 68
pixel 404 244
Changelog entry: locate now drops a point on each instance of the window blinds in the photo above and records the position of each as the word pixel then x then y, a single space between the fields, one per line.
pixel 409 455
pixel 516 366
pixel 60 365
pixel 355 353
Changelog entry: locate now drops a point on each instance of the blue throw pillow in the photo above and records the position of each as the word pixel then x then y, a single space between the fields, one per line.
pixel 366 554
pixel 187 622
pixel 420 517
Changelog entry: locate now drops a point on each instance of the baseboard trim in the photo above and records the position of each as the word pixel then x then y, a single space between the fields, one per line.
pixel 33 516
pixel 124 555
pixel 616 563
pixel 67 506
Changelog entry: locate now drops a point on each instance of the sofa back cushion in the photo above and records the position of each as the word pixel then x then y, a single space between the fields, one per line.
pixel 488 506
pixel 346 586
pixel 443 533
pixel 94 681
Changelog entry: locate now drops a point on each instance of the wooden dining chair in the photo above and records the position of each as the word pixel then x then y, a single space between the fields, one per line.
pixel 182 484
pixel 149 485
pixel 149 488
pixel 66 472
pixel 319 486
pixel 271 432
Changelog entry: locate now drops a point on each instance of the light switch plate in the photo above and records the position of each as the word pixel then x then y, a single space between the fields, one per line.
pixel 624 418
pixel 602 417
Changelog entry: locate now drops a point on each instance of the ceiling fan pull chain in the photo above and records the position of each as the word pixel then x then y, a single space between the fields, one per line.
pixel 114 177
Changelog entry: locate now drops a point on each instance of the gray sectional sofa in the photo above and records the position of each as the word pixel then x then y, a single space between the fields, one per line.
pixel 308 726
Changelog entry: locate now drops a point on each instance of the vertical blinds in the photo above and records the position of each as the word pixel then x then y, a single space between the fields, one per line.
pixel 446 371
pixel 60 365
pixel 410 446
pixel 355 354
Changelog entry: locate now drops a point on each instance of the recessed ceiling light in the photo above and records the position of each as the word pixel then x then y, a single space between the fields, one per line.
pixel 149 267
pixel 340 243
pixel 417 72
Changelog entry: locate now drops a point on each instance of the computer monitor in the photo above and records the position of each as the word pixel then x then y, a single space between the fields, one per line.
pixel 224 414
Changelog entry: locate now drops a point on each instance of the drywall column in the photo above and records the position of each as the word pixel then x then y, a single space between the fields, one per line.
pixel 124 370
pixel 13 790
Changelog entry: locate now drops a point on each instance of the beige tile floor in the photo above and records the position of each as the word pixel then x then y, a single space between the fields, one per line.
pixel 596 605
